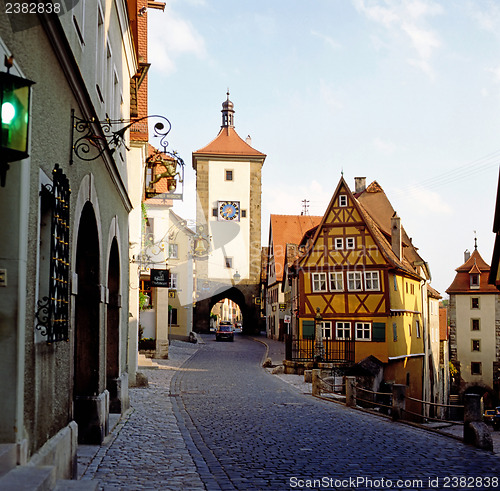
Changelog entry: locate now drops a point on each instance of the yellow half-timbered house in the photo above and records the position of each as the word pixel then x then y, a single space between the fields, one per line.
pixel 361 270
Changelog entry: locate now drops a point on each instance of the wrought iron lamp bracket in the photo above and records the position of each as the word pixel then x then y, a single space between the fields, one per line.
pixel 95 137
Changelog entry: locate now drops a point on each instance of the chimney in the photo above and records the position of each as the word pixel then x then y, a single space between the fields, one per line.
pixel 466 255
pixel 396 243
pixel 359 184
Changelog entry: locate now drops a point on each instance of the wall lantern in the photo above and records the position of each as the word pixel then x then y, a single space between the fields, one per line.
pixel 14 117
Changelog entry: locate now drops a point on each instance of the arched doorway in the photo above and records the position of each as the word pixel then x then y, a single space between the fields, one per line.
pixel 113 330
pixel 235 296
pixel 243 295
pixel 88 405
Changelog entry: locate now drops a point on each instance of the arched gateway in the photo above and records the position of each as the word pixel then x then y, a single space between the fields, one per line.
pixel 228 186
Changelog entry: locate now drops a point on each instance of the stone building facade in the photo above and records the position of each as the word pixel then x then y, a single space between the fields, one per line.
pixel 64 243
pixel 228 187
pixel 474 312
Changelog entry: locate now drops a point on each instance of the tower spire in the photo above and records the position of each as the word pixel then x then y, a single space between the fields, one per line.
pixel 227 113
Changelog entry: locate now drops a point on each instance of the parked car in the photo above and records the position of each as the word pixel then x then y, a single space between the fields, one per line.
pixel 488 416
pixel 224 331
pixel 496 419
pixel 237 327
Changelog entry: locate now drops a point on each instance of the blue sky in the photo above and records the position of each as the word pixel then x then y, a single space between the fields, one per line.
pixel 406 93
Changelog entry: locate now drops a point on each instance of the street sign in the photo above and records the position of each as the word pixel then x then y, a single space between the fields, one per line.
pixel 288 319
pixel 282 306
pixel 160 278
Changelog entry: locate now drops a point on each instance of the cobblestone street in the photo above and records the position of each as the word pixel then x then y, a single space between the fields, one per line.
pixel 213 419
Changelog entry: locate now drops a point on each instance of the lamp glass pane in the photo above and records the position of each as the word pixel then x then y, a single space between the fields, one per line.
pixel 14 114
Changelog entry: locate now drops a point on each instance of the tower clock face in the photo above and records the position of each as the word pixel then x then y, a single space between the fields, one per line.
pixel 229 210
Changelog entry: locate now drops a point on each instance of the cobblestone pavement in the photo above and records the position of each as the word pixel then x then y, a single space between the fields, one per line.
pixel 222 422
pixel 147 449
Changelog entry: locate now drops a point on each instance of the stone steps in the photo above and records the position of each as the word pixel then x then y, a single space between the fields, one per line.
pixel 144 362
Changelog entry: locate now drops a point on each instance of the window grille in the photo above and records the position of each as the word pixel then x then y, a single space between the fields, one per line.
pixel 52 316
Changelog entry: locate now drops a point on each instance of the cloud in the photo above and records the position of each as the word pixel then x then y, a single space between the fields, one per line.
pixel 327 39
pixel 171 37
pixel 496 73
pixel 487 19
pixel 406 20
pixel 424 202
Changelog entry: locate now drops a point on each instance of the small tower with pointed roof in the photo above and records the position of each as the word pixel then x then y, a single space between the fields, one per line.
pixel 228 186
pixel 474 310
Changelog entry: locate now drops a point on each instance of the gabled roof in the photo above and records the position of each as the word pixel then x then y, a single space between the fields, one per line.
pixel 376 211
pixel 228 142
pixel 288 229
pixel 474 264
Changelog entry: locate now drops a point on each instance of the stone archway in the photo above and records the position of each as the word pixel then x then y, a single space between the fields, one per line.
pixel 113 330
pixel 90 412
pixel 237 297
pixel 243 295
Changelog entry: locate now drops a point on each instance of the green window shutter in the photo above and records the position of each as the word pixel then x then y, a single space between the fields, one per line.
pixel 378 332
pixel 307 329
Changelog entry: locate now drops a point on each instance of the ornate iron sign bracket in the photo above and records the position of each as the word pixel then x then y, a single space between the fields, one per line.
pixel 94 137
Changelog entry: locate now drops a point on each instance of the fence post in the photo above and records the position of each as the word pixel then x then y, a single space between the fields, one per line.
pixel 398 401
pixel 316 382
pixel 476 432
pixel 350 391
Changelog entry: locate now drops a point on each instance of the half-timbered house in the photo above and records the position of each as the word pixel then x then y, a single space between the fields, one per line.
pixel 361 273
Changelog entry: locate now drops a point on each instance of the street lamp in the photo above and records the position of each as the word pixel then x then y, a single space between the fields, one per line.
pixel 319 351
pixel 236 277
pixel 14 119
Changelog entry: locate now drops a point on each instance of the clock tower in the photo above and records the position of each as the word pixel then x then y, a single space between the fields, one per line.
pixel 228 211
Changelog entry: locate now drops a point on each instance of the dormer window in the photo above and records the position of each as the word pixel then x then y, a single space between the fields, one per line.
pixel 343 200
pixel 474 281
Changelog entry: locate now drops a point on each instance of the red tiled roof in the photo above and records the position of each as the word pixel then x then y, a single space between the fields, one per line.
pixel 288 229
pixel 475 264
pixel 228 142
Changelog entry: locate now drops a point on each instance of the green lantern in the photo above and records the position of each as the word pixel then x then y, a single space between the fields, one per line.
pixel 14 118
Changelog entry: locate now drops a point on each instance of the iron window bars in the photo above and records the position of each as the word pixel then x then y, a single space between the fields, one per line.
pixel 52 315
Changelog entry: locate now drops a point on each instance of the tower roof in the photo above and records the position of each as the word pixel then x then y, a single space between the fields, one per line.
pixel 475 264
pixel 228 142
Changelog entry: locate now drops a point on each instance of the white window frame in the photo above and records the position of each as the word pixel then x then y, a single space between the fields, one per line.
pixel 228 262
pixel 326 327
pixel 341 328
pixel 339 244
pixel 350 243
pixel 173 251
pixel 363 328
pixel 354 277
pixel 316 280
pixel 342 200
pixel 370 278
pixel 336 280
pixel 172 282
pixel 474 285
